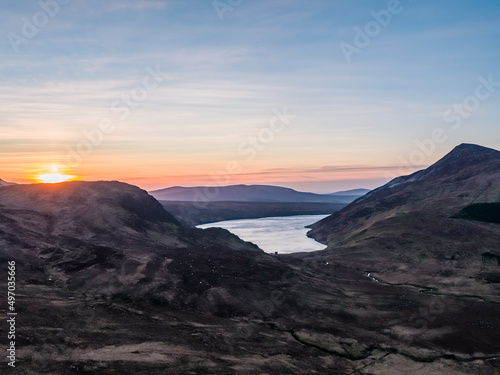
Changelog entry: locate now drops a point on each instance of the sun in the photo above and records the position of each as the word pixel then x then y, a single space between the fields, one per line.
pixel 53 174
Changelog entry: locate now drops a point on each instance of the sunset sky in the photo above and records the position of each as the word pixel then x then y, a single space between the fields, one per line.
pixel 318 95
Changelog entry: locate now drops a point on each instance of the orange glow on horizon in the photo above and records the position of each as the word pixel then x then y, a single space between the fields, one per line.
pixel 53 174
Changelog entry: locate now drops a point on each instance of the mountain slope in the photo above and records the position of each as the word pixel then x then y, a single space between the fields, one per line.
pixel 468 174
pixel 108 236
pixel 248 193
pixel 407 227
pixel 88 211
pixel 5 183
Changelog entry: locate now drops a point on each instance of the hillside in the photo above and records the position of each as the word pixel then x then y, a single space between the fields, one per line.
pixel 84 233
pixel 420 223
pixel 5 183
pixel 101 208
pixel 249 193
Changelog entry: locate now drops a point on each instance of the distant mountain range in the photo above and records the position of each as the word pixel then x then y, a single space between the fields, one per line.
pixel 253 193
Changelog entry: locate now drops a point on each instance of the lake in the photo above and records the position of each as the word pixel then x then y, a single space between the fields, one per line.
pixel 282 234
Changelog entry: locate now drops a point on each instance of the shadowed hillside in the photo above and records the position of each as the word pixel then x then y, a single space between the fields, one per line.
pixel 487 212
pixel 412 221
pixel 91 234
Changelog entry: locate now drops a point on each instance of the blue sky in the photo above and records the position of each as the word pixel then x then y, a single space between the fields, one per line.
pixel 352 124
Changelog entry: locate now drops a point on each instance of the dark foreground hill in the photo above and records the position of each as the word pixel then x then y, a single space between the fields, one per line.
pixel 109 283
pixel 87 234
pixel 250 193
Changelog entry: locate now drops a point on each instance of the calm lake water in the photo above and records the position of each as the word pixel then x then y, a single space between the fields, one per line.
pixel 282 234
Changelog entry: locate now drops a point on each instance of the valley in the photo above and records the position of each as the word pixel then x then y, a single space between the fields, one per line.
pixel 109 282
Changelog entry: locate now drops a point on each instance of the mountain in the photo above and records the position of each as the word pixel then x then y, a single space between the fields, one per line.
pixel 418 226
pixel 200 205
pixel 248 193
pixel 94 212
pixel 87 235
pixel 5 183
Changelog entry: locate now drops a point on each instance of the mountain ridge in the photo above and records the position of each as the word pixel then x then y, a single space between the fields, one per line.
pixel 114 205
pixel 472 159
pixel 5 183
pixel 250 193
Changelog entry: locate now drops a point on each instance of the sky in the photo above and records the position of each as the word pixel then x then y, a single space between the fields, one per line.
pixel 317 95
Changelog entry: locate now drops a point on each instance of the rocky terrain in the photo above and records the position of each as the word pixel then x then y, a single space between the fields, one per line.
pixel 110 283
